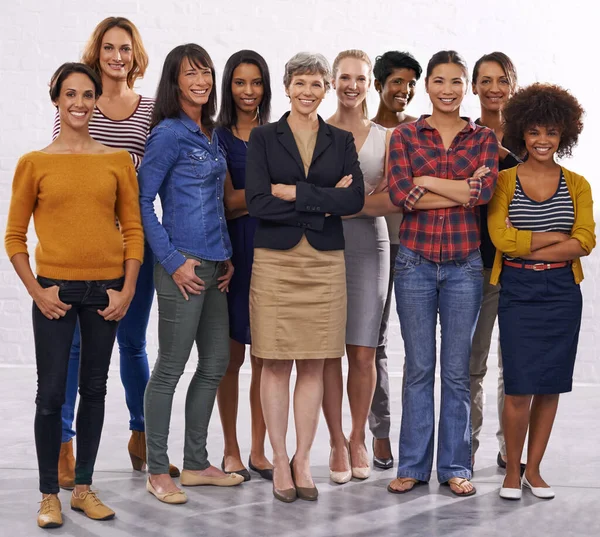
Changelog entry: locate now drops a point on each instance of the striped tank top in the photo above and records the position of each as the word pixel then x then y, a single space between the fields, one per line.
pixel 554 214
pixel 129 133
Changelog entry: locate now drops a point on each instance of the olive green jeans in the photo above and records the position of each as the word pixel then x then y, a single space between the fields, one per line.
pixel 203 319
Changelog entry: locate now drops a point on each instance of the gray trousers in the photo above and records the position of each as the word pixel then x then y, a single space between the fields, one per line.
pixel 379 417
pixel 478 367
pixel 202 319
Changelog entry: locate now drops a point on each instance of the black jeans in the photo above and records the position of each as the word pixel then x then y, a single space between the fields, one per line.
pixel 52 346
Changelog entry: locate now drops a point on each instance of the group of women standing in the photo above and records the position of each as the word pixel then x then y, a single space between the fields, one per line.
pixel 298 207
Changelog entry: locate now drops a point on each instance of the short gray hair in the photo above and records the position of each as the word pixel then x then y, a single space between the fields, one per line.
pixel 306 63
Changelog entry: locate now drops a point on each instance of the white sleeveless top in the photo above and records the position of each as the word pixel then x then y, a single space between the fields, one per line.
pixel 372 157
pixel 372 163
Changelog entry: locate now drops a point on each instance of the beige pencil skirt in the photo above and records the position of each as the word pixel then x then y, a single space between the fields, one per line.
pixel 298 303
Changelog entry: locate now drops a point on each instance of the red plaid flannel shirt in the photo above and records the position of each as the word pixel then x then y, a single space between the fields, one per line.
pixel 416 150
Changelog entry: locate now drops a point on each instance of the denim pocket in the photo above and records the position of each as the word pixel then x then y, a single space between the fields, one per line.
pixel 406 260
pixel 473 266
pixel 51 282
pixel 116 284
pixel 201 162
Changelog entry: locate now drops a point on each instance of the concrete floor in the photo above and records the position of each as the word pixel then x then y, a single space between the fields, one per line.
pixel 572 467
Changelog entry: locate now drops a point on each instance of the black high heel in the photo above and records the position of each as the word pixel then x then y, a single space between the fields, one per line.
pixel 309 494
pixel 384 464
pixel 286 495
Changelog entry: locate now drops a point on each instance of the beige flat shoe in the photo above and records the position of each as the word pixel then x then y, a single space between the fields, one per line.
pixel 190 479
pixel 168 497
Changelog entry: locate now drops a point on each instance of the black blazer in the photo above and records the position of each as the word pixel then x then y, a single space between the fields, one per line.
pixel 273 158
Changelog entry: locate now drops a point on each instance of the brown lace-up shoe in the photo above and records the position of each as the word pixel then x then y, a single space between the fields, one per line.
pixel 49 515
pixel 90 504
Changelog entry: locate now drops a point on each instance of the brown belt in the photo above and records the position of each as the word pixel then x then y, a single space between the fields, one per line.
pixel 538 266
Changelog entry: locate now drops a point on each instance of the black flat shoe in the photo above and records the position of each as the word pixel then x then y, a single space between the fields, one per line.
pixel 384 464
pixel 502 464
pixel 243 472
pixel 266 473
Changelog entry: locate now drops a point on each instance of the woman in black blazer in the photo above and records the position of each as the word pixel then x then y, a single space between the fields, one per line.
pixel 302 176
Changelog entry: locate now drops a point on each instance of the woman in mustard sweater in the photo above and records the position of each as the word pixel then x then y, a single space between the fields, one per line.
pixel 541 222
pixel 86 268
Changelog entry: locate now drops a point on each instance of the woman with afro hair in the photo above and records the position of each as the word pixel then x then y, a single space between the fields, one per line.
pixel 541 222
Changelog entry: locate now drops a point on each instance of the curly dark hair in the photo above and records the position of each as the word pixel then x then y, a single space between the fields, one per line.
pixel 543 105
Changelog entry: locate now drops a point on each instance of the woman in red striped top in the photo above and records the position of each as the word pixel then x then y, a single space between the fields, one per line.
pixel 121 119
pixel 440 168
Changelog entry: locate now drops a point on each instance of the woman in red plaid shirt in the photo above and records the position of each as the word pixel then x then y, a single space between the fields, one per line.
pixel 440 168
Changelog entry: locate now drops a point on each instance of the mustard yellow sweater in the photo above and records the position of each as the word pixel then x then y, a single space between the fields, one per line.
pixel 74 200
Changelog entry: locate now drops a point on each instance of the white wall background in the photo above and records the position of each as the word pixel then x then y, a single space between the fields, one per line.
pixel 548 40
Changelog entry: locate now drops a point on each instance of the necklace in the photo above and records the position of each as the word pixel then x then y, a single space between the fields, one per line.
pixel 237 135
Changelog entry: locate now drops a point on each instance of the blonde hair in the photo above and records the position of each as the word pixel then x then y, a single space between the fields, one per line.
pixel 355 54
pixel 91 52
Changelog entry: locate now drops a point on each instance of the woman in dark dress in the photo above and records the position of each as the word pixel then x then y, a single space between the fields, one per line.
pixel 246 103
pixel 494 82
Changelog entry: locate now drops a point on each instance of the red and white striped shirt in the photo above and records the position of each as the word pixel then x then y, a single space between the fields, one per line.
pixel 129 133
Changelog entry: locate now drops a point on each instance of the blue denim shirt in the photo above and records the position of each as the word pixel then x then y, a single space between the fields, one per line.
pixel 187 171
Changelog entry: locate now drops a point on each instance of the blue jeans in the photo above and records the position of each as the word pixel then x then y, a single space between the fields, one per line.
pixel 422 289
pixel 131 337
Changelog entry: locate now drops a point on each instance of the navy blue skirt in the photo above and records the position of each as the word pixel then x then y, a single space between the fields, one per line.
pixel 539 315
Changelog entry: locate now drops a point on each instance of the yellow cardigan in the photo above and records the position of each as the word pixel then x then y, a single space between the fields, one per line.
pixel 517 242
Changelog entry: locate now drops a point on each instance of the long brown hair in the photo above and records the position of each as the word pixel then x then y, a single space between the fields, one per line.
pixel 357 55
pixel 91 52
pixel 167 103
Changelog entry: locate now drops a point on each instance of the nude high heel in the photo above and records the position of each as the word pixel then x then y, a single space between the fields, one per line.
pixel 344 476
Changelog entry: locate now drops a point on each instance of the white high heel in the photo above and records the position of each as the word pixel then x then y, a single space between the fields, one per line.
pixel 341 477
pixel 545 493
pixel 359 472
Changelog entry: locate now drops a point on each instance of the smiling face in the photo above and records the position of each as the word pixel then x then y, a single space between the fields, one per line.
pixel 247 87
pixel 446 86
pixel 195 84
pixel 542 142
pixel 398 89
pixel 352 81
pixel 116 54
pixel 76 101
pixel 306 92
pixel 492 86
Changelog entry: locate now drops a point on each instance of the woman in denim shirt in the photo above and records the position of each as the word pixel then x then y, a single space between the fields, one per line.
pixel 184 166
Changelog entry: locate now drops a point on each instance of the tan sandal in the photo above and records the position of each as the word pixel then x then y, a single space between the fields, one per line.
pixel 459 482
pixel 403 480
